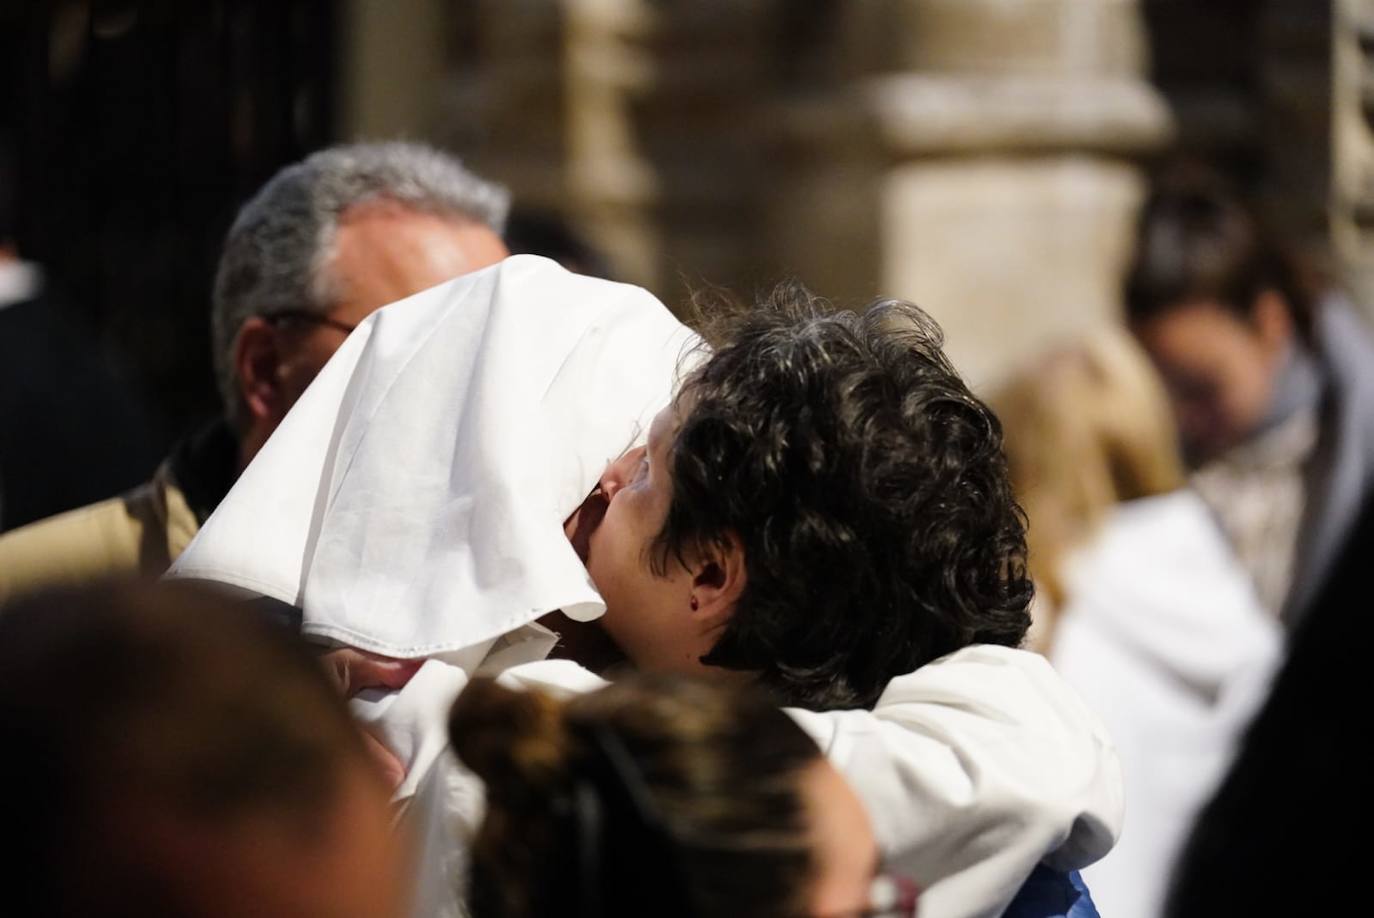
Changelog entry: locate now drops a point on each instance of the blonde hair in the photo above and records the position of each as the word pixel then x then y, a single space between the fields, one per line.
pixel 1086 428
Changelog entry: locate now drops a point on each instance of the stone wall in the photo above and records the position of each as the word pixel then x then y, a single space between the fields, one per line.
pixel 982 157
pixel 989 152
pixel 1352 199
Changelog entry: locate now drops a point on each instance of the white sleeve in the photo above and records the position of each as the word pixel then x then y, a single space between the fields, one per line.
pixel 560 678
pixel 974 769
pixel 443 801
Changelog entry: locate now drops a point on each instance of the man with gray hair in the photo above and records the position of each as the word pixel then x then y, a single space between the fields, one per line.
pixel 322 245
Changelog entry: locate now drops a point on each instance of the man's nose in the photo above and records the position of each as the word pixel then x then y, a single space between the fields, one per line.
pixel 621 472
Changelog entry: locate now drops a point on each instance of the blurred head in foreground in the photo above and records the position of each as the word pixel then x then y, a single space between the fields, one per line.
pixel 171 754
pixel 661 795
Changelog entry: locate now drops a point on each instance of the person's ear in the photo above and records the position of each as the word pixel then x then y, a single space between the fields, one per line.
pixel 718 580
pixel 1272 321
pixel 257 361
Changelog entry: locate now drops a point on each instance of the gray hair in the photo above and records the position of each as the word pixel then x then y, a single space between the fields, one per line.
pixel 278 246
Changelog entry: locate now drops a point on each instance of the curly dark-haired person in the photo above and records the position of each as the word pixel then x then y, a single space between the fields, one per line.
pixel 825 504
pixel 822 509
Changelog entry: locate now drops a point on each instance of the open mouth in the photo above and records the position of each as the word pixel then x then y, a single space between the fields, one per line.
pixel 583 522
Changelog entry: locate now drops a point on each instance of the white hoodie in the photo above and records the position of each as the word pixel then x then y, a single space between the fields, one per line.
pixel 1164 635
pixel 974 769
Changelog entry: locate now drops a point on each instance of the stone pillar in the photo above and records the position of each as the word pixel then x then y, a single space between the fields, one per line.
pixel 506 101
pixel 392 61
pixel 1257 104
pixel 1352 189
pixel 1295 77
pixel 664 160
pixel 983 167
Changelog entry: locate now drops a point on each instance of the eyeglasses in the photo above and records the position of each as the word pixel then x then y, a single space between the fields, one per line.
pixel 890 896
pixel 308 318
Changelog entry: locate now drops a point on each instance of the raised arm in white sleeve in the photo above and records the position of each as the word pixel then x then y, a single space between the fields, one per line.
pixel 975 768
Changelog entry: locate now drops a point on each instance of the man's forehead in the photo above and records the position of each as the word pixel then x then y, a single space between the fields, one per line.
pixel 386 252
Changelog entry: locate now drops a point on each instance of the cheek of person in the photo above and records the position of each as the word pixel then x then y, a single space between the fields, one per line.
pixel 664 613
pixel 648 613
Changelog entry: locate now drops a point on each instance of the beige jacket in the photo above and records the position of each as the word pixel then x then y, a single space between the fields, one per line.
pixel 135 534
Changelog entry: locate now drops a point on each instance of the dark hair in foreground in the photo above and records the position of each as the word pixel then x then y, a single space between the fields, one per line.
pixel 868 488
pixel 659 795
pixel 128 710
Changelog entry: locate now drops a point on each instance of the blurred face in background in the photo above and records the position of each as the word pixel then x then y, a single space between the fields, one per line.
pixel 1220 369
pixel 383 252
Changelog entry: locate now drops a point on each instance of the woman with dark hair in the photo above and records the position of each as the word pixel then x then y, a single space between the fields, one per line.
pixel 1272 382
pixel 661 795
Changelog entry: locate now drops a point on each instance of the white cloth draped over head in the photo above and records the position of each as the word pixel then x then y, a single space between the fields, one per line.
pixel 412 502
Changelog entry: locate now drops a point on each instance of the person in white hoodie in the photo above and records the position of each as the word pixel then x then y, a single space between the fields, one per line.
pixel 822 509
pixel 1141 603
